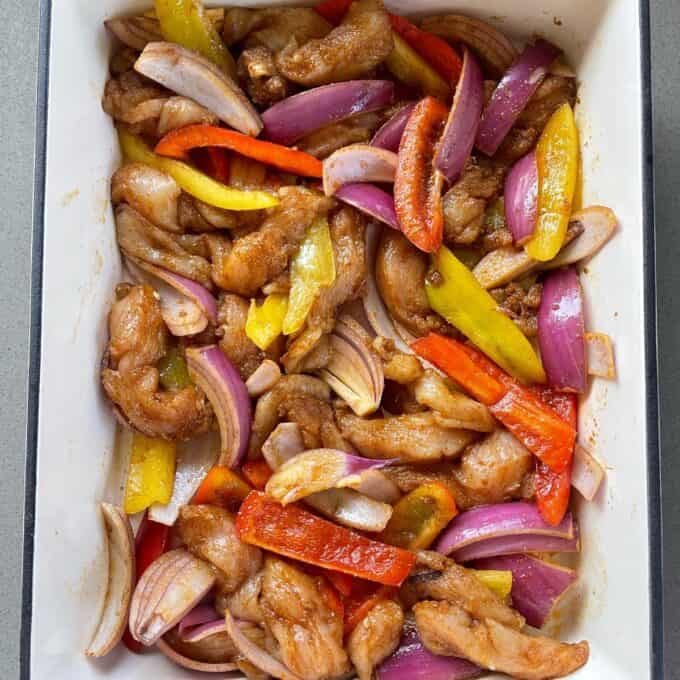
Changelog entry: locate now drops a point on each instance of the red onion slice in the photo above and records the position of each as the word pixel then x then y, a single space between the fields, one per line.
pixel 513 92
pixel 389 134
pixel 561 330
pixel 370 200
pixel 537 585
pixel 524 543
pixel 459 134
pixel 192 664
pixel 358 163
pixel 587 473
pixel 521 198
pixel 518 522
pixel 217 377
pixel 198 616
pixel 291 119
pixel 412 661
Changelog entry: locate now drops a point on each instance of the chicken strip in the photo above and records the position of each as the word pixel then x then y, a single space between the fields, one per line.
pixel 244 602
pixel 301 618
pixel 494 470
pixel 323 142
pixel 400 270
pixel 347 234
pixel 138 339
pixel 413 437
pixel 259 76
pixel 446 629
pixel 139 238
pixel 376 636
pixel 359 44
pixel 151 192
pixel 196 216
pixel 300 399
pixel 209 532
pixel 264 254
pixel 446 580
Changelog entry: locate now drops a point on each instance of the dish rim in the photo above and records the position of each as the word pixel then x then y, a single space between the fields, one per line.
pixel 654 519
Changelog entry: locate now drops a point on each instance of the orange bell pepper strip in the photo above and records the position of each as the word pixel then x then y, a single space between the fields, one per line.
pixel 420 516
pixel 553 489
pixel 364 597
pixel 222 487
pixel 538 427
pixel 177 143
pixel 435 50
pixel 293 532
pixel 417 186
pixel 333 10
pixel 257 473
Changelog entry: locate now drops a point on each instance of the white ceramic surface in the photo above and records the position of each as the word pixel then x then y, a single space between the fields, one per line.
pixel 76 467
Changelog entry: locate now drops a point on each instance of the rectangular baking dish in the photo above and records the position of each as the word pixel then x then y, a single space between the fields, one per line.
pixel 71 466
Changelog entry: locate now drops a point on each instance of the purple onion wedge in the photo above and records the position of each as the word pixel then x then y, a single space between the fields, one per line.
pixel 291 119
pixel 513 92
pixel 587 473
pixel 521 198
pixel 459 134
pixel 217 377
pixel 537 585
pixel 561 331
pixel 370 200
pixel 358 163
pixel 389 134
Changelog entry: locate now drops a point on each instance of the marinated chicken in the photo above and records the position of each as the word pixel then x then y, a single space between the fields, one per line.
pixel 303 621
pixel 321 380
pixel 446 629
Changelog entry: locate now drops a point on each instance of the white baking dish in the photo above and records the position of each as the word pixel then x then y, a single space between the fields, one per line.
pixel 70 461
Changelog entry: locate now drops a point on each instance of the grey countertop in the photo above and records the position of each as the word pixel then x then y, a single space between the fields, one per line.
pixel 18 57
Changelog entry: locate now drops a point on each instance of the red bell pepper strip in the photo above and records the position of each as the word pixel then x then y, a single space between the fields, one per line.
pixel 343 583
pixel 538 427
pixel 222 487
pixel 333 10
pixel 362 599
pixel 213 162
pixel 417 186
pixel 150 543
pixel 298 534
pixel 435 50
pixel 257 473
pixel 177 143
pixel 553 489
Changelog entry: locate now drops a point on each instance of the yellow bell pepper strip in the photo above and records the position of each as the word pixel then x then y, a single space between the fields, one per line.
pixel 185 22
pixel 498 581
pixel 420 516
pixel 312 268
pixel 222 487
pixel 174 374
pixel 557 159
pixel 193 181
pixel 409 67
pixel 457 295
pixel 265 322
pixel 151 475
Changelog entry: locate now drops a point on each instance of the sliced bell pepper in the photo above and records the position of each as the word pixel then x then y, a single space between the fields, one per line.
pixel 312 268
pixel 464 303
pixel 184 22
pixel 265 322
pixel 193 181
pixel 537 426
pixel 343 583
pixel 498 581
pixel 151 475
pixel 173 371
pixel 417 186
pixel 293 532
pixel 557 157
pixel 177 143
pixel 362 599
pixel 412 70
pixel 222 487
pixel 333 10
pixel 420 516
pixel 553 489
pixel 257 473
pixel 435 50
pixel 213 162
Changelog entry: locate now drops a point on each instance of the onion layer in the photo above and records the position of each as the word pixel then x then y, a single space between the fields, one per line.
pixel 561 330
pixel 600 355
pixel 537 585
pixel 265 376
pixel 192 664
pixel 370 200
pixel 289 120
pixel 389 134
pixel 521 194
pixel 513 92
pixel 358 163
pixel 587 473
pixel 459 134
pixel 505 528
pixel 217 377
